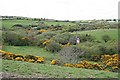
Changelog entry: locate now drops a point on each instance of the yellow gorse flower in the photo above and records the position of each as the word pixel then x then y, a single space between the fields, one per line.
pixel 53 62
pixel 8 55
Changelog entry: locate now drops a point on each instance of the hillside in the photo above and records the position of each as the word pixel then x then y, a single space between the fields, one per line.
pixel 51 48
pixel 53 71
pixel 113 33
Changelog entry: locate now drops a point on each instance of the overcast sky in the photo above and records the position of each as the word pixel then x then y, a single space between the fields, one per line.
pixel 61 9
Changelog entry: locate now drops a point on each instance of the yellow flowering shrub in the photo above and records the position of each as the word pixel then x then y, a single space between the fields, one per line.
pixel 53 62
pixel 31 60
pixel 98 66
pixel 3 52
pixel 46 42
pixel 68 65
pixel 42 30
pixel 105 57
pixel 79 66
pixel 7 55
pixel 111 61
pixel 40 59
pixel 19 59
pixel 86 64
pixel 11 56
pixel 66 45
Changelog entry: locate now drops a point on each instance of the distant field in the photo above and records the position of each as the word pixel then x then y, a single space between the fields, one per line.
pixel 59 23
pixel 113 33
pixel 10 23
pixel 30 50
pixel 53 71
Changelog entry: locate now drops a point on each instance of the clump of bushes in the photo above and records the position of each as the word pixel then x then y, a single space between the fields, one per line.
pixel 70 55
pixel 94 49
pixel 15 39
pixel 106 38
pixel 53 47
pixel 86 37
pixel 62 38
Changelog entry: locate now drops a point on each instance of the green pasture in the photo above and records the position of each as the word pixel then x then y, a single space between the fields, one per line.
pixel 59 23
pixel 30 50
pixel 9 23
pixel 53 71
pixel 113 33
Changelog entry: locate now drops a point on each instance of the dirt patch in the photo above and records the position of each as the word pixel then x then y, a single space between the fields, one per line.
pixel 16 75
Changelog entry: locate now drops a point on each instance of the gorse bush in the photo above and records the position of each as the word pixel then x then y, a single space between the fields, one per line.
pixel 94 48
pixel 15 39
pixel 12 38
pixel 86 37
pixel 48 35
pixel 53 47
pixel 106 38
pixel 62 38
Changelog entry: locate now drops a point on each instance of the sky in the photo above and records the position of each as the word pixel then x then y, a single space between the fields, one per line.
pixel 61 9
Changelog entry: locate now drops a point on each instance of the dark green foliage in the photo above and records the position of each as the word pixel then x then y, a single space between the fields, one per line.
pixel 17 25
pixel 86 37
pixel 48 35
pixel 53 47
pixel 72 40
pixel 106 38
pixel 94 48
pixel 40 40
pixel 62 38
pixel 15 39
pixel 30 57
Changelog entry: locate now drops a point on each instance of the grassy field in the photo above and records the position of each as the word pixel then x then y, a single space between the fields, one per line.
pixel 113 33
pixel 59 23
pixel 9 23
pixel 30 50
pixel 46 69
pixel 53 71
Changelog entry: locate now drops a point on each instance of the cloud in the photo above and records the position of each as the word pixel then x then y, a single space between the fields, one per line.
pixel 61 9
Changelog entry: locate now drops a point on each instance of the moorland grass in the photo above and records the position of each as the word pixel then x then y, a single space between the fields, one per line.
pixel 53 71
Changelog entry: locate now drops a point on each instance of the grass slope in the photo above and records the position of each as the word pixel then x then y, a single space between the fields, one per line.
pixel 53 71
pixel 113 33
pixel 30 50
pixel 9 23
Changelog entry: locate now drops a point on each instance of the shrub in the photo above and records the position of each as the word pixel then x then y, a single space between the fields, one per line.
pixel 86 37
pixel 15 39
pixel 69 55
pixel 17 25
pixel 62 38
pixel 40 40
pixel 95 49
pixel 72 40
pixel 53 47
pixel 48 35
pixel 53 62
pixel 30 58
pixel 39 59
pixel 42 31
pixel 106 38
pixel 11 38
